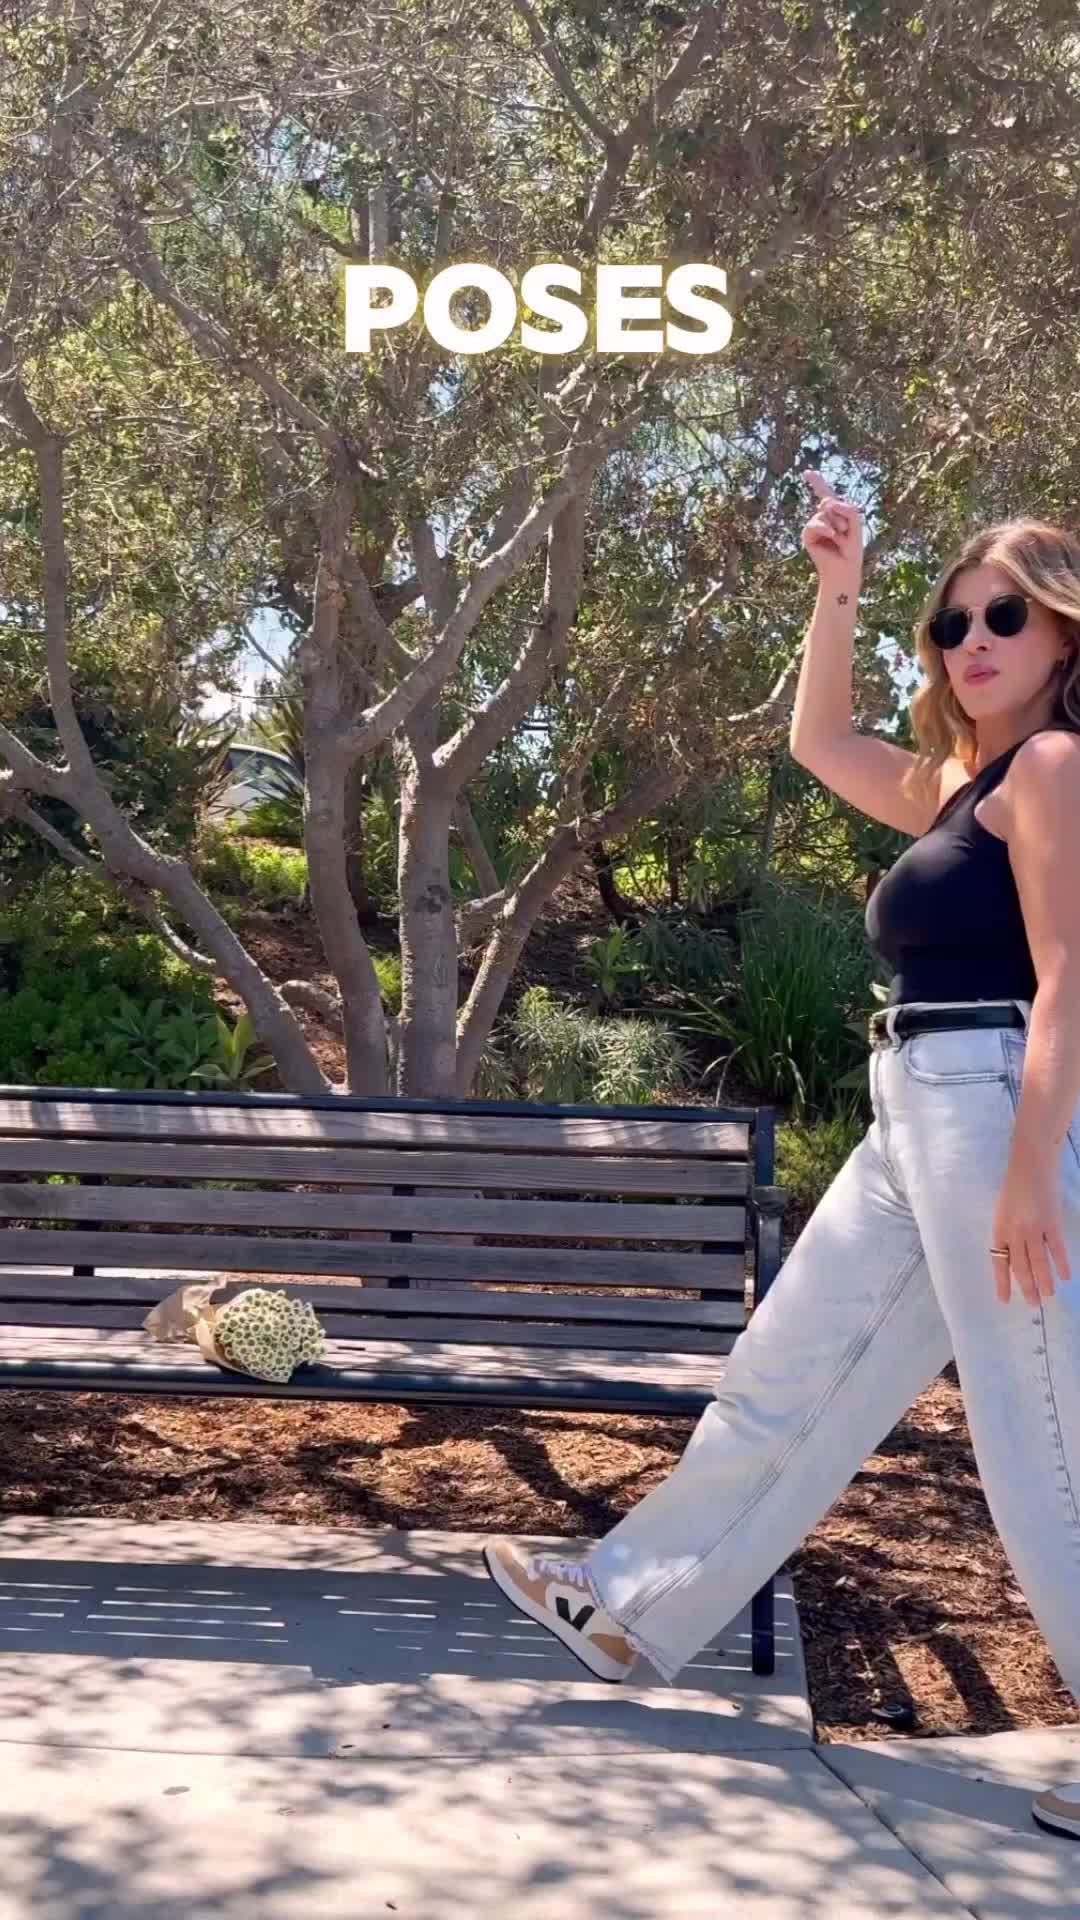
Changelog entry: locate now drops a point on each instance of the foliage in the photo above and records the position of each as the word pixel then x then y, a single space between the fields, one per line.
pixel 280 820
pixel 71 1034
pixel 158 759
pixel 237 864
pixel 640 1060
pixel 565 1055
pixel 675 955
pixel 611 960
pixel 495 1077
pixel 666 954
pixel 388 968
pixel 281 724
pixel 69 932
pixel 803 965
pixel 88 997
pixel 810 1154
pixel 182 1045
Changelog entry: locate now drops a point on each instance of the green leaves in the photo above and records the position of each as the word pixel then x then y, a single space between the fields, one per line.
pixel 179 1045
pixel 610 961
pixel 229 1066
pixel 566 1055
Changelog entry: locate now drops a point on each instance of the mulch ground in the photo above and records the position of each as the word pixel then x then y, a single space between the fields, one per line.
pixel 911 1618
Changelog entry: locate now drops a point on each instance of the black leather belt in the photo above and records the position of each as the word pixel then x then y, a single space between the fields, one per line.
pixel 995 1013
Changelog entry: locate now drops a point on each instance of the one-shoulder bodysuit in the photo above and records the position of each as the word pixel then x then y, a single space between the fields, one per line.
pixel 946 916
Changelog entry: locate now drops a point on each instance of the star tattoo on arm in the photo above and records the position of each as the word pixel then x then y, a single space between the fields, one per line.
pixel 842 598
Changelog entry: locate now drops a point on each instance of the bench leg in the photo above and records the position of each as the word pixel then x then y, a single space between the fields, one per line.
pixel 763 1629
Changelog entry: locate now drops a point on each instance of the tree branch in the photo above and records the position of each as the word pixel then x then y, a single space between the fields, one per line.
pixel 650 115
pixel 212 339
pixel 479 858
pixel 379 722
pixel 519 912
pixel 462 756
pixel 564 80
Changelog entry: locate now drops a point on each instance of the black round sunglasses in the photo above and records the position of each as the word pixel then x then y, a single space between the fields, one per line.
pixel 1006 614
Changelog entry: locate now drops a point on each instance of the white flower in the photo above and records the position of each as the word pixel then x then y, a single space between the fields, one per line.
pixel 269 1334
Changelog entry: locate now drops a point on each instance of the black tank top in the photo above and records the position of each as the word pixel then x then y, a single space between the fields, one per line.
pixel 946 916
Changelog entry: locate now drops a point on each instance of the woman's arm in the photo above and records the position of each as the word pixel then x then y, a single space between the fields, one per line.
pixel 1043 833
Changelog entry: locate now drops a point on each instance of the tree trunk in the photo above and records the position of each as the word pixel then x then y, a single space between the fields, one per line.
pixel 620 908
pixel 357 794
pixel 429 959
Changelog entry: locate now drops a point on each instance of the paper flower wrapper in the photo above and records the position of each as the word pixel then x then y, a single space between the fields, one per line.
pixel 256 1332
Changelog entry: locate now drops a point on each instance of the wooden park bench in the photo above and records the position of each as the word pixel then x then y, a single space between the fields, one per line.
pixel 500 1254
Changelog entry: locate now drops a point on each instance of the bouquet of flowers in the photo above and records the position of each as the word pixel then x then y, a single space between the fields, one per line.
pixel 257 1332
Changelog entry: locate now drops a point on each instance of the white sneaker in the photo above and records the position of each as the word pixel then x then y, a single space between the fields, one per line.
pixel 556 1594
pixel 1058 1815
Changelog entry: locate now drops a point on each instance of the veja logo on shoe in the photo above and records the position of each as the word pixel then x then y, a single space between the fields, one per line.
pixel 613 307
pixel 579 1621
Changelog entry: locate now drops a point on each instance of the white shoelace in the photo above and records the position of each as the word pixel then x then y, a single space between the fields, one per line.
pixel 570 1570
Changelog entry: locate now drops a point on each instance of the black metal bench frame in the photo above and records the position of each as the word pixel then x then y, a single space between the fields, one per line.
pixel 70 1304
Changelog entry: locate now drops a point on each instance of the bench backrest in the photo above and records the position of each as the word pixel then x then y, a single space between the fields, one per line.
pixel 614 1226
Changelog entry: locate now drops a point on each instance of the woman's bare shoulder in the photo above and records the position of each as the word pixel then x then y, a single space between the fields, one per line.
pixel 951 776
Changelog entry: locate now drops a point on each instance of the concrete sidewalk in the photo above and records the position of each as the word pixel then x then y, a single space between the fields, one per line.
pixel 263 1723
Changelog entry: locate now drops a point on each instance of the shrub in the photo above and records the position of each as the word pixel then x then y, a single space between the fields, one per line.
pixel 610 961
pixel 675 955
pixel 557 1047
pixel 60 1035
pixel 90 998
pixel 804 965
pixel 639 1061
pixel 573 1058
pixel 71 930
pixel 280 820
pixel 388 968
pixel 495 1077
pixel 809 1155
pixel 254 870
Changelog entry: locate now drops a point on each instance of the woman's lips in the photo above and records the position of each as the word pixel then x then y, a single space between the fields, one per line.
pixel 981 673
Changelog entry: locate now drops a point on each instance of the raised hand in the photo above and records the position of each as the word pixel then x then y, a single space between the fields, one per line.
pixel 833 537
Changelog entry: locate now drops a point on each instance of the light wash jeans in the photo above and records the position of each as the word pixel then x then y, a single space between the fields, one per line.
pixel 889 1280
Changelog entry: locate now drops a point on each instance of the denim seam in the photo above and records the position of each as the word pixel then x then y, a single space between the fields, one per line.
pixel 905 1047
pixel 943 1079
pixel 1054 1423
pixel 843 1373
pixel 668 1673
pixel 881 1115
pixel 1042 1352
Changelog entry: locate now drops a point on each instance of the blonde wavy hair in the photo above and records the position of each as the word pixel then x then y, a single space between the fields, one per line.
pixel 1042 560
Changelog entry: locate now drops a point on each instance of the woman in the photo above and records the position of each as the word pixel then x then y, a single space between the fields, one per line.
pixel 952 1230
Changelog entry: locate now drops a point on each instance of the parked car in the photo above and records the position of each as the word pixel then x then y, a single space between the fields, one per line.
pixel 254 774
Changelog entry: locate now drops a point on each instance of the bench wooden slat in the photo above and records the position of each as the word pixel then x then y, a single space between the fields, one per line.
pixel 557 1219
pixel 576 1133
pixel 391 1371
pixel 381 1327
pixel 376 1166
pixel 141 1292
pixel 375 1259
